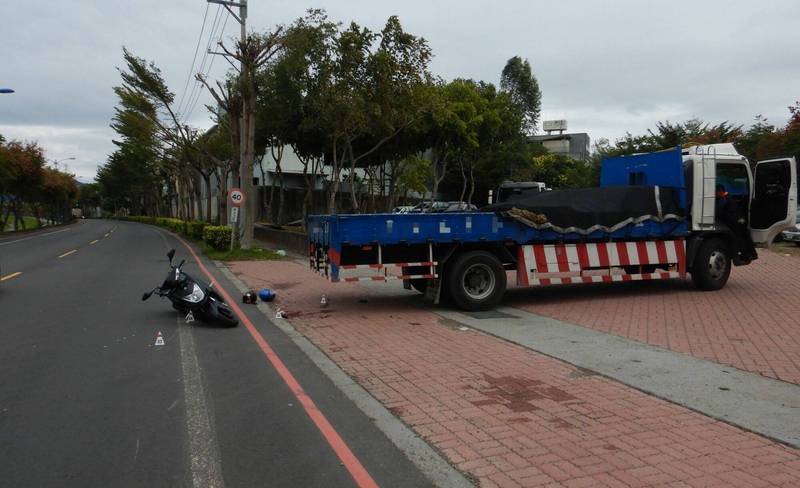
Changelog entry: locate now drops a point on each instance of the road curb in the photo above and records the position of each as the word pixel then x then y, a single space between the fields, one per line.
pixel 424 457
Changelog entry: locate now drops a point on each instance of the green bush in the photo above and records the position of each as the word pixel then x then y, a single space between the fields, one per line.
pixel 218 237
pixel 194 229
pixel 190 229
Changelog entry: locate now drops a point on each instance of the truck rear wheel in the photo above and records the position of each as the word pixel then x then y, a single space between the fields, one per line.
pixel 712 265
pixel 476 280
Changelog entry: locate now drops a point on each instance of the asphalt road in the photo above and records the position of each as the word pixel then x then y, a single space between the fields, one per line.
pixel 87 399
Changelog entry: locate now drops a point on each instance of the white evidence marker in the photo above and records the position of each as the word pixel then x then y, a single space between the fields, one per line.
pixel 159 339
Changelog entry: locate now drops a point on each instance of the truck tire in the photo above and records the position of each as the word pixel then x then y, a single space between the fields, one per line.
pixel 476 280
pixel 712 265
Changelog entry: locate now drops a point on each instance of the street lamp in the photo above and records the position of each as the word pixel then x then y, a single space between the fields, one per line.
pixel 6 90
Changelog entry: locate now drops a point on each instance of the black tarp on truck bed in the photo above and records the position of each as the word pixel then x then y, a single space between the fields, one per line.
pixel 586 210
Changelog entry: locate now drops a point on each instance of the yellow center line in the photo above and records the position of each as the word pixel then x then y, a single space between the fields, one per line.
pixel 68 253
pixel 94 241
pixel 12 275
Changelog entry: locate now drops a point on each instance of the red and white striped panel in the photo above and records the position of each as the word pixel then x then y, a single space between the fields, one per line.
pixel 595 262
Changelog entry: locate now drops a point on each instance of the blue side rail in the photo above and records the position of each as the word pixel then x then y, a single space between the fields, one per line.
pixel 446 228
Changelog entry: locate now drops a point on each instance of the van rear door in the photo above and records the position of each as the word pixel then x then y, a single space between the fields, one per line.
pixel 774 199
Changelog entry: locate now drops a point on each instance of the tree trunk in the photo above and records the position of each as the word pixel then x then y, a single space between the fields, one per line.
pixel 207 181
pixel 222 196
pixel 463 180
pixel 278 156
pixel 334 184
pixel 353 196
pixel 471 184
pixel 248 130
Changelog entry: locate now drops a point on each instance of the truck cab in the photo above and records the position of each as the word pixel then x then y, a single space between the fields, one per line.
pixel 765 191
pixel 512 190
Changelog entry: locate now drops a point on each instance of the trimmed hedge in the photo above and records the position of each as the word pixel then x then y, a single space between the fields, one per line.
pixel 216 238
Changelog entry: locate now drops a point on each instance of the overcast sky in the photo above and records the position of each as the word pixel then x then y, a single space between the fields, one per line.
pixel 607 67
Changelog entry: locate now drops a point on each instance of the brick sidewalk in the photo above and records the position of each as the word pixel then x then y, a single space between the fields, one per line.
pixel 508 416
pixel 752 324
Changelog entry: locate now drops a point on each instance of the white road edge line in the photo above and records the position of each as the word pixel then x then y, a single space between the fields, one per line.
pixel 33 237
pixel 204 458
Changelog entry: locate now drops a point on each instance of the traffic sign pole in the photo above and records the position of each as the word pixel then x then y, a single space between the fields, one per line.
pixel 236 196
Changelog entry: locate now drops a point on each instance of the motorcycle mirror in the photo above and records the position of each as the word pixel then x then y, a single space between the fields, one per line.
pixel 181 263
pixel 146 295
pixel 171 254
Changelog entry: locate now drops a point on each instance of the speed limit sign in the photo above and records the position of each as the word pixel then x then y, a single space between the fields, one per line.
pixel 236 196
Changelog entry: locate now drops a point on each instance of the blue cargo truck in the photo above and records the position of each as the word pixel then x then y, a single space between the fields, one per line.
pixel 654 216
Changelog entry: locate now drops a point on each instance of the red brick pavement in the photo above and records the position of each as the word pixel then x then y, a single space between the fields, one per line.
pixel 752 324
pixel 510 417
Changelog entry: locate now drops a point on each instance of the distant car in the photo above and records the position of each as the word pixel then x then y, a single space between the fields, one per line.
pixel 793 235
pixel 437 207
pixel 402 209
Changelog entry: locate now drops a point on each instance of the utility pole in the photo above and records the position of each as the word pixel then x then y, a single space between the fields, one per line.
pixel 254 51
pixel 246 180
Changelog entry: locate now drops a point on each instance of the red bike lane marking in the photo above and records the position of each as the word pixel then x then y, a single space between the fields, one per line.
pixel 350 461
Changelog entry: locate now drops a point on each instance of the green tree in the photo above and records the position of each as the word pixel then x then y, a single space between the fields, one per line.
pixel 24 174
pixel 560 171
pixel 518 81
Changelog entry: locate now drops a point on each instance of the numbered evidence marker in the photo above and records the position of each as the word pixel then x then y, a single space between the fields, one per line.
pixel 159 339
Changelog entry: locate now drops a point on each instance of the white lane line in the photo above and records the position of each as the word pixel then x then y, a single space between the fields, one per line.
pixel 93 242
pixel 12 275
pixel 33 237
pixel 68 253
pixel 205 461
pixel 204 455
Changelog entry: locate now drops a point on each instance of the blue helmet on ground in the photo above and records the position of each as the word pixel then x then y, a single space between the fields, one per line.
pixel 266 294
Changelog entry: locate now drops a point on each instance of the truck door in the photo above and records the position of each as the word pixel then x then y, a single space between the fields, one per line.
pixel 774 199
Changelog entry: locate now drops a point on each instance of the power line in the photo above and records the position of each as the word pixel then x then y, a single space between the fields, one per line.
pixel 194 58
pixel 211 63
pixel 194 87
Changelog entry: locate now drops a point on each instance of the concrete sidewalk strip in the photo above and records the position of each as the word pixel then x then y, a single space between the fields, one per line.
pixel 762 405
pixel 509 416
pixel 418 451
pixel 751 324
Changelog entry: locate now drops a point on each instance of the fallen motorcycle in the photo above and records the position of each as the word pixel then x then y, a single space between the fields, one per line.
pixel 193 297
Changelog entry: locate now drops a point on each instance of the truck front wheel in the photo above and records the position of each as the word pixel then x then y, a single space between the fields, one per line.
pixel 712 265
pixel 476 280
